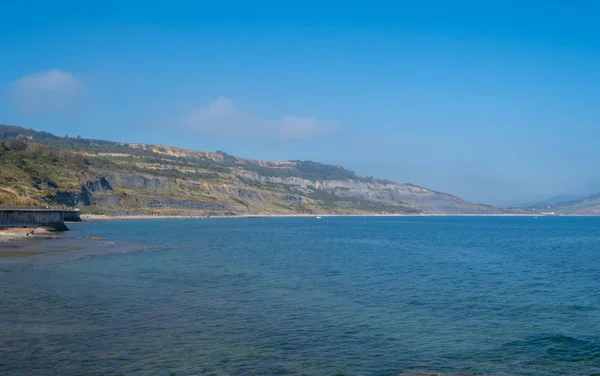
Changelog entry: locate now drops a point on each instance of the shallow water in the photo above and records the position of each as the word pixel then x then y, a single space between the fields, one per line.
pixel 300 296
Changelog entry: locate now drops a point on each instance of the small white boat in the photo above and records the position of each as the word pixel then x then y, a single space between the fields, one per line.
pixel 318 217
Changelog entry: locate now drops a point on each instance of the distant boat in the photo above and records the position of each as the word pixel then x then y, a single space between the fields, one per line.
pixel 318 217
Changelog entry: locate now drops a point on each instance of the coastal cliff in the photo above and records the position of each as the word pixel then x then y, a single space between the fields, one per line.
pixel 105 177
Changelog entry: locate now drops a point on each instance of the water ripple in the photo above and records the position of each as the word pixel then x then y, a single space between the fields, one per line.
pixel 394 296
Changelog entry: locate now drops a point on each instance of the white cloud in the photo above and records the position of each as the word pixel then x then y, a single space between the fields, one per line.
pixel 222 118
pixel 53 90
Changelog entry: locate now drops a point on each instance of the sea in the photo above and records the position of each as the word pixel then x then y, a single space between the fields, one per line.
pixel 306 296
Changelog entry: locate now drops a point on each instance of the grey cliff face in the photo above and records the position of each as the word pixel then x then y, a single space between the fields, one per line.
pixel 126 191
pixel 385 193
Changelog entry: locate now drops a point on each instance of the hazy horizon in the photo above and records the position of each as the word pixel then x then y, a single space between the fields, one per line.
pixel 494 103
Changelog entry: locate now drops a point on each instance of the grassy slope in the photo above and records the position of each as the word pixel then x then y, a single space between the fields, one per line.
pixel 35 167
pixel 575 207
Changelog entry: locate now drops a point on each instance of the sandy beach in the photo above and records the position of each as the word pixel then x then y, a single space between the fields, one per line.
pixel 7 233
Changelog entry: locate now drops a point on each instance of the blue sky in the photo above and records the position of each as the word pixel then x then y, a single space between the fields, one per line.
pixel 495 102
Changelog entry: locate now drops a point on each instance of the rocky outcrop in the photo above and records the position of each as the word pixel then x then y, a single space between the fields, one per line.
pixel 44 184
pixel 248 194
pixel 83 197
pixel 292 199
pixel 100 194
pixel 133 181
pixel 101 185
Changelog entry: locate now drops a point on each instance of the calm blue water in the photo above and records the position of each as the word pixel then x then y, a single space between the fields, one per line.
pixel 301 296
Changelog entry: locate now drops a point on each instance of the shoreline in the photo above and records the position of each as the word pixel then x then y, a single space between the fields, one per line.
pixel 98 217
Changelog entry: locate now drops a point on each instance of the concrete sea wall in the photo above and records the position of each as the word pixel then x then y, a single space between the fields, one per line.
pixel 71 215
pixel 54 219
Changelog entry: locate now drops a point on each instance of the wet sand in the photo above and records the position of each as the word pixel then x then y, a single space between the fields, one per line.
pixel 19 232
pixel 17 248
pixel 23 241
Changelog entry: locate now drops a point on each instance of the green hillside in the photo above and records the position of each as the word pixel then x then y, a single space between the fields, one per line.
pixel 41 169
